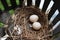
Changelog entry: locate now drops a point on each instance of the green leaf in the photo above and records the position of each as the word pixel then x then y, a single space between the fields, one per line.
pixel 1 24
pixel 1 6
pixel 8 2
pixel 17 2
pixel 11 12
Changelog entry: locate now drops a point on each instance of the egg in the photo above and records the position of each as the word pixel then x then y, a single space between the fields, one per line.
pixel 36 25
pixel 33 18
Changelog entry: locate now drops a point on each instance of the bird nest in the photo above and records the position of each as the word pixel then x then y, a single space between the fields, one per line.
pixel 21 18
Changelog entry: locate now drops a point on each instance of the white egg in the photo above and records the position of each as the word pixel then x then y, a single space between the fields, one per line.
pixel 34 18
pixel 36 25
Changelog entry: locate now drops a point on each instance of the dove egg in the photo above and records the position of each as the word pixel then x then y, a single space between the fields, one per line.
pixel 36 25
pixel 34 18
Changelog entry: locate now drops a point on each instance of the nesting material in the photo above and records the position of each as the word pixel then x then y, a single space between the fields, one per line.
pixel 22 16
pixel 18 30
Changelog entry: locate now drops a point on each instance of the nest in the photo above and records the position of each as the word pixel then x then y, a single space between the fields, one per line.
pixel 28 33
